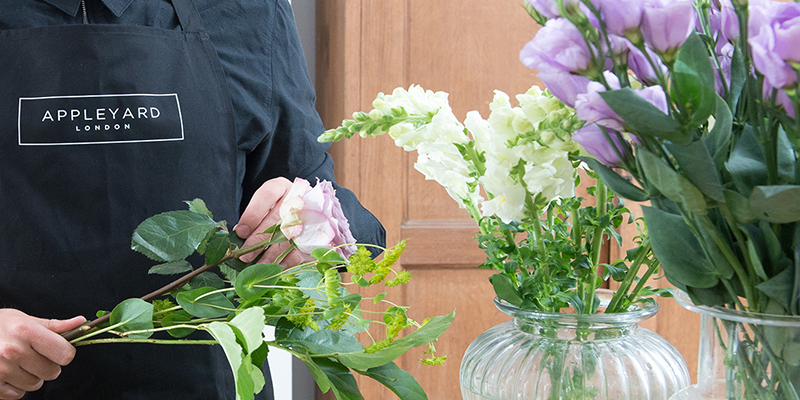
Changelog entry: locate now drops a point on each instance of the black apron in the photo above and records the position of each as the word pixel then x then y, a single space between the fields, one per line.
pixel 103 126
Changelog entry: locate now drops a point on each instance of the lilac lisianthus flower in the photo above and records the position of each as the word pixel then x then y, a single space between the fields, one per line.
pixel 592 139
pixel 666 24
pixel 774 29
pixel 557 47
pixel 313 218
pixel 565 86
pixel 642 68
pixel 591 107
pixel 654 95
pixel 782 99
pixel 620 17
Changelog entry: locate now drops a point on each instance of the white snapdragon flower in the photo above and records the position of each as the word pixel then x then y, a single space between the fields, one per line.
pixel 443 163
pixel 536 105
pixel 502 117
pixel 508 201
pixel 481 131
pixel 548 171
pixel 415 100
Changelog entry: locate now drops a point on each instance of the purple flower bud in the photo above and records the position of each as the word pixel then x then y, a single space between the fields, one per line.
pixel 549 8
pixel 667 24
pixel 557 47
pixel 782 99
pixel 729 22
pixel 621 17
pixel 592 139
pixel 725 58
pixel 642 68
pixel 591 107
pixel 654 95
pixel 564 86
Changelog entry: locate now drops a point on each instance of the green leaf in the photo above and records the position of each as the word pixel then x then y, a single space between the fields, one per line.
pixel 739 73
pixel 398 381
pixel 505 289
pixel 199 206
pixel 250 278
pixel 795 305
pixel 217 247
pixel 133 315
pixel 614 181
pixel 778 203
pixel 754 255
pixel 747 163
pixel 779 288
pixel 678 251
pixel 670 183
pixel 643 118
pixel 177 318
pixel 327 256
pixel 342 381
pixel 422 336
pixel 379 297
pixel 322 341
pixel 319 376
pixel 739 207
pixel 718 141
pixel 360 281
pixel 196 303
pixel 698 167
pixel 171 236
pixel 786 159
pixel 250 323
pixel 692 81
pixel 207 279
pixel 224 335
pixel 171 268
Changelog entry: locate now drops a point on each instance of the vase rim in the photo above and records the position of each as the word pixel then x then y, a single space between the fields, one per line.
pixel 635 314
pixel 791 321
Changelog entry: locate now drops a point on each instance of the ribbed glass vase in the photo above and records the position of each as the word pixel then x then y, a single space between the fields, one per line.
pixel 744 355
pixel 550 356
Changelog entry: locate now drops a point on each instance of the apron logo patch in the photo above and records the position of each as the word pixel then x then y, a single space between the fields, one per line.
pixel 99 119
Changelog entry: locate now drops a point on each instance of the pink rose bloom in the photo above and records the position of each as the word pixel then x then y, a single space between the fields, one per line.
pixel 313 218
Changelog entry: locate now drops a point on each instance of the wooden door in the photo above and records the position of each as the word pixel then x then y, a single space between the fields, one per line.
pixel 467 48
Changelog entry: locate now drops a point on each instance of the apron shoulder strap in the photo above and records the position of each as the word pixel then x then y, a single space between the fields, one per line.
pixel 188 16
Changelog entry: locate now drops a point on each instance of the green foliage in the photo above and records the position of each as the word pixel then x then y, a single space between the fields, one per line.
pixel 551 263
pixel 172 236
pixel 132 315
pixel 315 316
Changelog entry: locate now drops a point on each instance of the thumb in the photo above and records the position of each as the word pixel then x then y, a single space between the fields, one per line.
pixel 62 325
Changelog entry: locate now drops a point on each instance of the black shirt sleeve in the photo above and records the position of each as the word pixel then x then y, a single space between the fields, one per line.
pixel 273 99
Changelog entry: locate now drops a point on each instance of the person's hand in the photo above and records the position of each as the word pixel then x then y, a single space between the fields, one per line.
pixel 31 351
pixel 262 212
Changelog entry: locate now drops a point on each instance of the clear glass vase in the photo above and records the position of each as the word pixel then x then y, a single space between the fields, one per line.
pixel 744 355
pixel 549 356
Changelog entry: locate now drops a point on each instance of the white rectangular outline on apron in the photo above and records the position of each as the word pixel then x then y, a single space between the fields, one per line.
pixel 19 119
